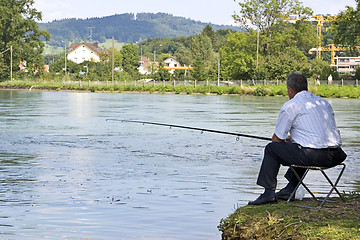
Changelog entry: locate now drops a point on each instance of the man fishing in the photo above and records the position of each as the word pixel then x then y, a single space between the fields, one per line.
pixel 314 140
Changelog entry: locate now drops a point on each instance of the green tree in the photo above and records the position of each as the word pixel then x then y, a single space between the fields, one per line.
pixel 346 27
pixel 290 59
pixel 199 73
pixel 322 68
pixel 266 16
pixel 19 30
pixel 203 56
pixel 59 66
pixel 184 55
pixel 238 56
pixel 130 61
pixel 357 73
pixel 106 57
pixel 214 37
pixel 162 74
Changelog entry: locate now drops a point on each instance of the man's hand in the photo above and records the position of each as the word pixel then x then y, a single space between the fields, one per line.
pixel 276 139
pixel 289 139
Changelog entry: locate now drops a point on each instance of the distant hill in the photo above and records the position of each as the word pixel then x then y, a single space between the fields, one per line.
pixel 126 28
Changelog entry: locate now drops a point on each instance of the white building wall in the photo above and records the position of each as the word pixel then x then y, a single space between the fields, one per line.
pixel 347 64
pixel 83 53
pixel 171 62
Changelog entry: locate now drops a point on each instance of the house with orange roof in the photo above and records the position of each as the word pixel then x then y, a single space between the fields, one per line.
pixel 80 52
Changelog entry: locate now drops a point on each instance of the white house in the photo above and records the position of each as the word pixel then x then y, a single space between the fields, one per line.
pixel 80 52
pixel 171 62
pixel 145 64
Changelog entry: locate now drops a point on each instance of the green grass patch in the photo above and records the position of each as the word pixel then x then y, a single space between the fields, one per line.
pixel 335 221
pixel 328 91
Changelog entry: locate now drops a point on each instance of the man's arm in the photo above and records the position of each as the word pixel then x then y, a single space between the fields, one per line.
pixel 276 138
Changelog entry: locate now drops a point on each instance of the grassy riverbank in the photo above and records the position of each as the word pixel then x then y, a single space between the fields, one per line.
pixel 333 91
pixel 335 221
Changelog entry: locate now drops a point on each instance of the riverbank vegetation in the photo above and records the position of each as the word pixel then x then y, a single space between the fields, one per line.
pixel 162 87
pixel 337 220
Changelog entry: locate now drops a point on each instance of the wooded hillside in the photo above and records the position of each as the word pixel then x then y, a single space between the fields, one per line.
pixel 126 27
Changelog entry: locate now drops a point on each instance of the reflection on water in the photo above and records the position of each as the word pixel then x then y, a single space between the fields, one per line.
pixel 66 172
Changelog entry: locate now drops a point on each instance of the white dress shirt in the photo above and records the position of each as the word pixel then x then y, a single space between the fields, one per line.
pixel 310 121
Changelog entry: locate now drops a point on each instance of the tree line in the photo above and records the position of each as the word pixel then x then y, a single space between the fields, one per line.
pixel 270 47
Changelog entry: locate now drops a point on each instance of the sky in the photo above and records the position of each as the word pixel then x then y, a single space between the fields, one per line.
pixel 209 11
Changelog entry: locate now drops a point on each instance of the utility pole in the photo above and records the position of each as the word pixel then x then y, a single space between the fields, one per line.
pixel 65 59
pixel 257 49
pixel 219 72
pixel 113 61
pixel 11 63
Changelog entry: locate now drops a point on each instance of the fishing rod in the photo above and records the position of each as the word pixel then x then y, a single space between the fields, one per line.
pixel 193 128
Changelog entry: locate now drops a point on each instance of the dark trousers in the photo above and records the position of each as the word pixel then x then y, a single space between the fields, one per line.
pixel 288 153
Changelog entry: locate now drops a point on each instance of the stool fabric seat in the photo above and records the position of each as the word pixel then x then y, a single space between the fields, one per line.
pixel 322 170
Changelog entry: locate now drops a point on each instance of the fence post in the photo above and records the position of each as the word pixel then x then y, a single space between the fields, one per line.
pixel 174 83
pixel 195 83
pixel 163 83
pixel 241 83
pixel 264 81
pixel 342 82
pixel 357 83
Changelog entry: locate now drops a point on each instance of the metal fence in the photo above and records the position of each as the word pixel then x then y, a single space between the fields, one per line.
pixel 139 83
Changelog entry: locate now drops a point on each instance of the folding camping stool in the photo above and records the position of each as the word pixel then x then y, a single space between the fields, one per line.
pixel 322 170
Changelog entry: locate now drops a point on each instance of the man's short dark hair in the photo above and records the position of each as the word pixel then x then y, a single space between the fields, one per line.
pixel 298 82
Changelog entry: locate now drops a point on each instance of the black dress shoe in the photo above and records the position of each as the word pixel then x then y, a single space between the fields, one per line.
pixel 284 194
pixel 261 200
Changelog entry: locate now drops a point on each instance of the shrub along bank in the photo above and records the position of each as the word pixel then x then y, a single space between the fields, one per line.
pixel 328 91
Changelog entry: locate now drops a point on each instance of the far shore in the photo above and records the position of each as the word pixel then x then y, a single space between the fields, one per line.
pixel 327 91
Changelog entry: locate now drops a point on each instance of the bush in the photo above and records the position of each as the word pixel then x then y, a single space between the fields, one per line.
pixel 261 91
pixel 335 91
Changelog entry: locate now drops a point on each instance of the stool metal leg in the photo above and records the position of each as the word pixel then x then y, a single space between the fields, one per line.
pixel 300 183
pixel 333 185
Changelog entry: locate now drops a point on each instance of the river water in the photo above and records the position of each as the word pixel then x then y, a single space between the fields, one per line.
pixel 67 173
